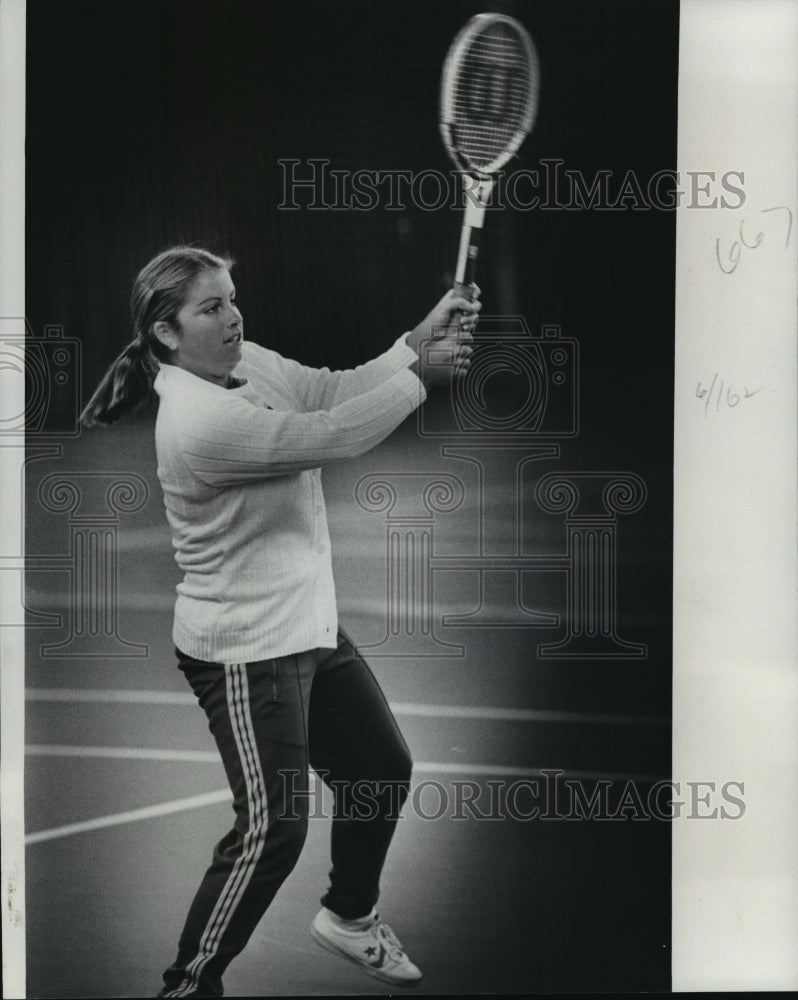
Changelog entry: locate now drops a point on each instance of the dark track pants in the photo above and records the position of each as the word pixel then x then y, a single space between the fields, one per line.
pixel 270 720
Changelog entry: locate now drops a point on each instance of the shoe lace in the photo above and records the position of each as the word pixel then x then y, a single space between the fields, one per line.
pixel 392 943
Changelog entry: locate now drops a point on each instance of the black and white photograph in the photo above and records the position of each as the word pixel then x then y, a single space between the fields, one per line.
pixel 363 633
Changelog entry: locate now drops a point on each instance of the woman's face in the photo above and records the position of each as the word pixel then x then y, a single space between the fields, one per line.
pixel 210 327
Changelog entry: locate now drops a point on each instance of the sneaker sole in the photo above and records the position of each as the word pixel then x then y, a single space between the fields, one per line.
pixel 363 966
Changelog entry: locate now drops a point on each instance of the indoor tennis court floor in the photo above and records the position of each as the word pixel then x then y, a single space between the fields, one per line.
pixel 125 797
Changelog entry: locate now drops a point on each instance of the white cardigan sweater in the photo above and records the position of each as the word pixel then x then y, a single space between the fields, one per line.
pixel 241 478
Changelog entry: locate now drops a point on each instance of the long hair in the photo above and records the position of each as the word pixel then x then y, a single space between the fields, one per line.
pixel 159 293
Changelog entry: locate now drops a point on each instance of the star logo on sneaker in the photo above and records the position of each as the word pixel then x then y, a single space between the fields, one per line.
pixel 369 943
pixel 372 951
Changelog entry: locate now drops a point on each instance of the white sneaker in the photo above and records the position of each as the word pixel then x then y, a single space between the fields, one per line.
pixel 369 943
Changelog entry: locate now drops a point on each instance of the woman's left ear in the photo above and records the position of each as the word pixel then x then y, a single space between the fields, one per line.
pixel 167 334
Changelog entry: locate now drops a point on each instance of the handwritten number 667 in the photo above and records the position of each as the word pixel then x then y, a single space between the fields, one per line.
pixel 736 249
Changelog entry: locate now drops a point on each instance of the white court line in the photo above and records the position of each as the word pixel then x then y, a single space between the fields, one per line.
pixel 142 697
pixel 523 715
pixel 110 696
pixel 213 798
pixel 132 816
pixel 419 766
pixel 121 753
pixel 509 771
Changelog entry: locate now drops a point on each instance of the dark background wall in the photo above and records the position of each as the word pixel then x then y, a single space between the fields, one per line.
pixel 151 122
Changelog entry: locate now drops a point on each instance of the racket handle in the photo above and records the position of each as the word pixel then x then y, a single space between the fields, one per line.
pixel 477 200
pixel 465 291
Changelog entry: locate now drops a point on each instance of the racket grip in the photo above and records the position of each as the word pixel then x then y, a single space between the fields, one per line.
pixel 464 290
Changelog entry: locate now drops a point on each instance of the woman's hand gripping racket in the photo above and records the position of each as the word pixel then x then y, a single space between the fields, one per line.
pixel 489 97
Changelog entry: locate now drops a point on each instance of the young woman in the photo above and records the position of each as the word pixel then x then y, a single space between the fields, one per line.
pixel 241 436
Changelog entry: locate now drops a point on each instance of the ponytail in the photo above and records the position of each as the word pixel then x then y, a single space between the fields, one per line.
pixel 125 386
pixel 158 294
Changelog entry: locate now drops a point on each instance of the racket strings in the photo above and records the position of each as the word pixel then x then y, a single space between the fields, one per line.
pixel 492 97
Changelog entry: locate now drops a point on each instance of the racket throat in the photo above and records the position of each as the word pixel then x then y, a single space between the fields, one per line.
pixel 477 199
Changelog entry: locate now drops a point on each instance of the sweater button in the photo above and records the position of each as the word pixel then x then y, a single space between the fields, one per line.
pixel 320 548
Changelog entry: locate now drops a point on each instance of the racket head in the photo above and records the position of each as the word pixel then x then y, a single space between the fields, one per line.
pixel 489 93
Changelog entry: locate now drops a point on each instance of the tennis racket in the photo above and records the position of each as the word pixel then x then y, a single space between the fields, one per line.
pixel 488 104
